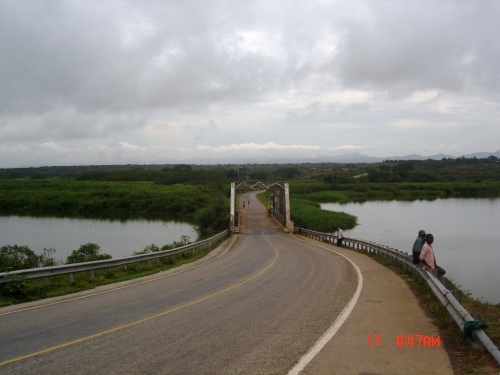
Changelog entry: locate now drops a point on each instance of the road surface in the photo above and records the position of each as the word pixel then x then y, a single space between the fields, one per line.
pixel 255 305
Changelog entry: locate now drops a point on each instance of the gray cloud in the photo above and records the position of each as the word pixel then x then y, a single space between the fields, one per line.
pixel 112 80
pixel 409 47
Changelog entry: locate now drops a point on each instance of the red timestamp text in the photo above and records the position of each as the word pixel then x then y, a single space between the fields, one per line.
pixel 420 341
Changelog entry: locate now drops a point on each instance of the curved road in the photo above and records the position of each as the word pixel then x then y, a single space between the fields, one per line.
pixel 255 305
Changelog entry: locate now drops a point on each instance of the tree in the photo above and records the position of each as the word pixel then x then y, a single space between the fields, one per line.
pixel 403 169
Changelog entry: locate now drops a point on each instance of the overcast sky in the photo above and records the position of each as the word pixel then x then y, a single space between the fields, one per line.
pixel 114 82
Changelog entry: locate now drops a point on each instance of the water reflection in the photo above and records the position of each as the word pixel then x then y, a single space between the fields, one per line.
pixel 465 232
pixel 118 237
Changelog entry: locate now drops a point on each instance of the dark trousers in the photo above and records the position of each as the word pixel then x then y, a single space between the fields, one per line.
pixel 339 242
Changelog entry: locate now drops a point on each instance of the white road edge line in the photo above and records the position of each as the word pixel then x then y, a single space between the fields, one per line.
pixel 119 288
pixel 332 330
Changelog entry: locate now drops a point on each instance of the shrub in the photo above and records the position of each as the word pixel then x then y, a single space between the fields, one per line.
pixel 14 257
pixel 86 253
pixel 45 259
pixel 147 250
pixel 16 286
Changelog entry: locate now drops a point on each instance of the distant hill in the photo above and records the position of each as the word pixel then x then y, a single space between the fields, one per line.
pixel 356 157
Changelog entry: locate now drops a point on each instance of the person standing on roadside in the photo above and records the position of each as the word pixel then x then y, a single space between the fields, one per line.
pixel 340 236
pixel 417 246
pixel 427 254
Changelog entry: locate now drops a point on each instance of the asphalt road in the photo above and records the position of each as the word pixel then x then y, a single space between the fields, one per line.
pixel 255 305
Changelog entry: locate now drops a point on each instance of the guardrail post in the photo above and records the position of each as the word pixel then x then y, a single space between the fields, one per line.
pixel 110 269
pixel 47 280
pixel 71 277
pixel 458 295
pixel 124 267
pixel 92 274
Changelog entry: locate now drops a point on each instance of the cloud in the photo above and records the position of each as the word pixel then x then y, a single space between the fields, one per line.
pixel 171 76
pixel 425 45
pixel 257 147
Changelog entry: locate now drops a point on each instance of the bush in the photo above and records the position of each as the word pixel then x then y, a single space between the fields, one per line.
pixel 147 250
pixel 338 178
pixel 14 257
pixel 16 286
pixel 45 259
pixel 86 253
pixel 214 215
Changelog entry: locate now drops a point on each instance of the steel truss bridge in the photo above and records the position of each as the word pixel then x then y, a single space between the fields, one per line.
pixel 280 203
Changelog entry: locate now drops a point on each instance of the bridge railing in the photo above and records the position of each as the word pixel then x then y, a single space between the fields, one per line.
pixel 405 261
pixel 70 269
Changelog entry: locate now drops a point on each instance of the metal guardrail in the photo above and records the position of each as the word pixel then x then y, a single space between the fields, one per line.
pixel 47 272
pixel 459 314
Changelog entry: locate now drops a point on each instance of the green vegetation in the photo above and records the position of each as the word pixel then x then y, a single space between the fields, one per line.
pixel 154 249
pixel 319 191
pixel 14 257
pixel 308 214
pixel 86 253
pixel 73 197
pixel 201 193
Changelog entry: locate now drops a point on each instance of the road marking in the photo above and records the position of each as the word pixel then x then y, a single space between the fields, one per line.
pixel 70 343
pixel 119 288
pixel 332 330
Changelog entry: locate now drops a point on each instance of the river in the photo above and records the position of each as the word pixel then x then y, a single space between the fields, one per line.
pixel 119 238
pixel 466 235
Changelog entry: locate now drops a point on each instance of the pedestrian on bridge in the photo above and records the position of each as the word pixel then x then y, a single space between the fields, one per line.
pixel 340 236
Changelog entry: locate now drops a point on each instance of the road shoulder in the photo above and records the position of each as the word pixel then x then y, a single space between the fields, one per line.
pixel 386 307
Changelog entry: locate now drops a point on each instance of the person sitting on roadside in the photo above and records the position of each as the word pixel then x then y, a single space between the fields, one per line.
pixel 427 254
pixel 417 246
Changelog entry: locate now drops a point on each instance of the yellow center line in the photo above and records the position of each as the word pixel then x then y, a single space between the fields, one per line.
pixel 70 343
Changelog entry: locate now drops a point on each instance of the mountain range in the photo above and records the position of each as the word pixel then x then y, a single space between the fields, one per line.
pixel 356 157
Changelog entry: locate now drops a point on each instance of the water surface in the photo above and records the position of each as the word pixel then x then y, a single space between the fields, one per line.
pixel 466 235
pixel 118 238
